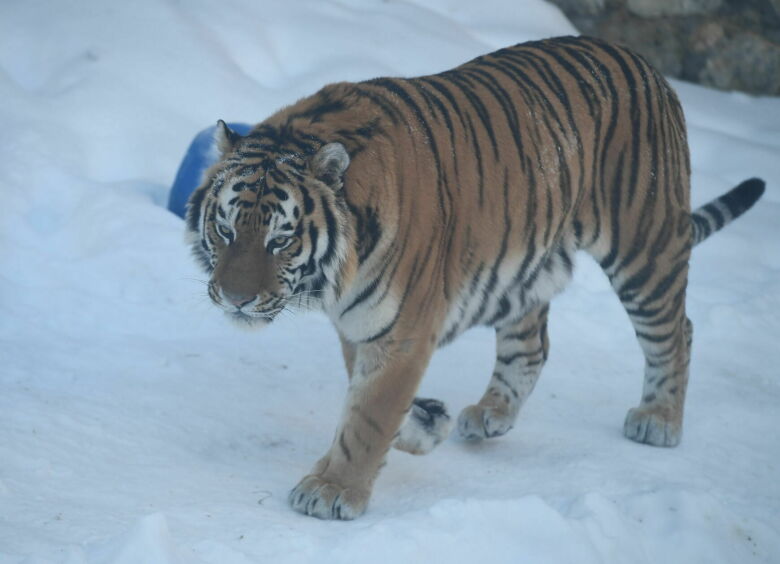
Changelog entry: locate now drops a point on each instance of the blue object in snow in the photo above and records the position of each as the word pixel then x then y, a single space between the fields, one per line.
pixel 198 158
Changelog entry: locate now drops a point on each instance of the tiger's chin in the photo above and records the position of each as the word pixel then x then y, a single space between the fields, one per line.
pixel 249 322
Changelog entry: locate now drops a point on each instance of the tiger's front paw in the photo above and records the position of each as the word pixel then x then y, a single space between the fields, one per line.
pixel 480 422
pixel 320 498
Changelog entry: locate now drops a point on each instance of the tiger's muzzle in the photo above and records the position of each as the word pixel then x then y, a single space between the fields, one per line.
pixel 246 309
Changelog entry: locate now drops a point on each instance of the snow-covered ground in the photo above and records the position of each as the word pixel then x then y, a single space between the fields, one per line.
pixel 137 426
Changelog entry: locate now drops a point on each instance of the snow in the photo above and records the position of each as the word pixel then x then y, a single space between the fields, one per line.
pixel 138 426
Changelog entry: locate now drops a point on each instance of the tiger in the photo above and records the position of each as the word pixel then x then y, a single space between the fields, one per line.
pixel 411 209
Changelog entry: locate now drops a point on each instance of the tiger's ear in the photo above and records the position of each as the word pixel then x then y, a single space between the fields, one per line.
pixel 330 163
pixel 225 138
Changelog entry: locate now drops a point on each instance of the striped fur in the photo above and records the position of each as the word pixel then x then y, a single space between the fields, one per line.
pixel 721 211
pixel 412 209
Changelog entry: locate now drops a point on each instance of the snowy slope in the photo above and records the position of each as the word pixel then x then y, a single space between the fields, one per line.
pixel 138 426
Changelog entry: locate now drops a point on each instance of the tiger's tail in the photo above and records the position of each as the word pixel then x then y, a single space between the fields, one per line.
pixel 721 211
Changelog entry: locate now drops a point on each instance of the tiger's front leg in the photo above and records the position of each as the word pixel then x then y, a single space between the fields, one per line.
pixel 384 380
pixel 427 423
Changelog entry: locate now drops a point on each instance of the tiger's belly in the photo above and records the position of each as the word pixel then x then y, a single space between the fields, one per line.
pixel 501 295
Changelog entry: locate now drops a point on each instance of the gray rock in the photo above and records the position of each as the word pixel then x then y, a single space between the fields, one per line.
pixel 659 8
pixel 707 36
pixel 726 44
pixel 747 62
pixel 582 7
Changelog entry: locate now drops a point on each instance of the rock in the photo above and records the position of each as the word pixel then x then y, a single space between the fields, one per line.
pixel 582 7
pixel 707 36
pixel 727 44
pixel 747 62
pixel 660 45
pixel 659 8
pixel 704 40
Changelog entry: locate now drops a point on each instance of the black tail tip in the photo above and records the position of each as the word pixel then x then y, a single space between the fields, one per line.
pixel 741 198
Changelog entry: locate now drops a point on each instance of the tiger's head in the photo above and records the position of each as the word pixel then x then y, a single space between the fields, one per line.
pixel 267 221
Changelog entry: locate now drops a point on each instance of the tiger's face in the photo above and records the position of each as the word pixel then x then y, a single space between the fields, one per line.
pixel 265 225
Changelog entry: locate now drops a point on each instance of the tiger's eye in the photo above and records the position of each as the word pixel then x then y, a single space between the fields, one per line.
pixel 225 232
pixel 279 243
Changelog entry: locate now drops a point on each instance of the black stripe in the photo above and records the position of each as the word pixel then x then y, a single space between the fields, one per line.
pixel 387 107
pixel 445 198
pixel 344 449
pixel 487 292
pixel 193 208
pixel 331 231
pixel 715 214
pixel 457 80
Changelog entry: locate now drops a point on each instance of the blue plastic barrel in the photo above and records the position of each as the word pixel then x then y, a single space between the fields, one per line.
pixel 198 158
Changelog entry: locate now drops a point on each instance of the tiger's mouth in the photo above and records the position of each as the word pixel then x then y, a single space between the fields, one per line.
pixel 252 319
pixel 245 311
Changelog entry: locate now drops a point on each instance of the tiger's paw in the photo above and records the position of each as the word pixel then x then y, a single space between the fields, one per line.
pixel 320 498
pixel 427 424
pixel 653 425
pixel 478 422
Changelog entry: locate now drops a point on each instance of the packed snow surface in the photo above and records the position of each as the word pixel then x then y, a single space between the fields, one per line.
pixel 137 426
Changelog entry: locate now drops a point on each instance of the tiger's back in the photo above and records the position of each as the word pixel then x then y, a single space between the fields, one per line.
pixel 500 170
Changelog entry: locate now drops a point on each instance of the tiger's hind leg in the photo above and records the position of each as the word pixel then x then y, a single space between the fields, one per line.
pixel 521 350
pixel 658 418
pixel 426 424
pixel 653 294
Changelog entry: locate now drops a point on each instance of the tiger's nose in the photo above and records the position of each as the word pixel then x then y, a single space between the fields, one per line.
pixel 238 300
